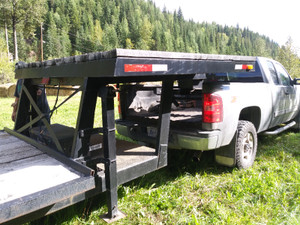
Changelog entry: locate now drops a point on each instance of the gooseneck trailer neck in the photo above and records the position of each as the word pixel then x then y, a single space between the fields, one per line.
pixel 131 65
pixel 95 73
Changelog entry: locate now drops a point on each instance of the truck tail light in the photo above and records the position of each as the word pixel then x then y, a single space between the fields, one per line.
pixel 212 108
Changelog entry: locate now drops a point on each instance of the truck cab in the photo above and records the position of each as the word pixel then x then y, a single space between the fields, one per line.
pixel 285 93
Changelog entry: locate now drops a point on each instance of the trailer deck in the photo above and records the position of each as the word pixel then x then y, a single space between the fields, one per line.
pixel 30 179
pixel 26 172
pixel 19 159
pixel 85 168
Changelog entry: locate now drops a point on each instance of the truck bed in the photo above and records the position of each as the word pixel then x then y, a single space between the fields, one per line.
pixel 189 117
pixel 140 103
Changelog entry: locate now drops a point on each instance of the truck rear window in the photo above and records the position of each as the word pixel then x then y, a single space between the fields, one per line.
pixel 244 76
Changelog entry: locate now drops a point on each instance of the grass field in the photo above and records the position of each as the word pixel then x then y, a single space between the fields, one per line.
pixel 188 192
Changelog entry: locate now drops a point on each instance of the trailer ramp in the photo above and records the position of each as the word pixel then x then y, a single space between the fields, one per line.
pixel 31 180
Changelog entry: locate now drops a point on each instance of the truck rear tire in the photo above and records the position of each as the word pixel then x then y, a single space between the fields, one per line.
pixel 246 144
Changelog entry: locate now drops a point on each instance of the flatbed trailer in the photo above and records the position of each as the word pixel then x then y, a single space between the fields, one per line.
pixel 80 162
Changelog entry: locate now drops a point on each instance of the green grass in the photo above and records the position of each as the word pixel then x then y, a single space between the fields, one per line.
pixel 188 192
pixel 66 114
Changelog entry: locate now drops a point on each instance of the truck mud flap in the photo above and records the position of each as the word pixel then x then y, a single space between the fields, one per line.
pixel 32 181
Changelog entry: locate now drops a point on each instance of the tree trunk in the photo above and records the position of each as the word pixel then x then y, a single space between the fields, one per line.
pixel 42 51
pixel 14 26
pixel 15 42
pixel 6 38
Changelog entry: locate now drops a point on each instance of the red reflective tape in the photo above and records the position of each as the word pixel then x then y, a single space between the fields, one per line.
pixel 45 80
pixel 137 68
pixel 244 67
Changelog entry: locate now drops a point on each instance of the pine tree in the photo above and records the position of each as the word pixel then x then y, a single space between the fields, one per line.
pixel 6 67
pixel 289 58
pixel 80 26
pixel 124 33
pixel 65 43
pixel 110 38
pixel 97 36
pixel 145 42
pixel 22 15
pixel 52 42
pixel 167 43
pixel 74 17
pixel 157 36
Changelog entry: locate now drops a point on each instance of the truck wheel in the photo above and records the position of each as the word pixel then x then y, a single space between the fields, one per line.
pixel 246 144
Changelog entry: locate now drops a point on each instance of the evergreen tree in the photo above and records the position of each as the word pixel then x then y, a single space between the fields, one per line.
pixel 74 17
pixel 110 38
pixel 260 47
pixel 145 42
pixel 52 42
pixel 22 15
pixel 124 32
pixel 80 26
pixel 129 44
pixel 289 58
pixel 157 36
pixel 97 36
pixel 6 67
pixel 65 43
pixel 167 43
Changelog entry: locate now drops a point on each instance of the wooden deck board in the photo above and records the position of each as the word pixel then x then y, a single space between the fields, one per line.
pixel 2 133
pixel 8 140
pixel 130 154
pixel 21 163
pixel 18 154
pixel 25 170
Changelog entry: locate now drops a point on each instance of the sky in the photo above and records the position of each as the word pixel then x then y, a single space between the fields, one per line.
pixel 276 19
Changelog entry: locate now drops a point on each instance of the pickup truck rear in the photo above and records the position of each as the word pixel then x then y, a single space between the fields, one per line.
pixel 216 111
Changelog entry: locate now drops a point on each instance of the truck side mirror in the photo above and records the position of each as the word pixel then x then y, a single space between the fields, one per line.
pixel 296 81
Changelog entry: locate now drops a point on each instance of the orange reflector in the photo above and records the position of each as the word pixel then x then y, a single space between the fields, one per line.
pixel 249 67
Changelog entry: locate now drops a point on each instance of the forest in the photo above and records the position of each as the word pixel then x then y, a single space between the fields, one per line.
pixel 35 30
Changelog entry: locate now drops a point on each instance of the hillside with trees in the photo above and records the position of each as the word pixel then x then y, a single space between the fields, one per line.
pixel 71 27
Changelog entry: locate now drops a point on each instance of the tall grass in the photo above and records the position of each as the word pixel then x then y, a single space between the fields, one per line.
pixel 188 192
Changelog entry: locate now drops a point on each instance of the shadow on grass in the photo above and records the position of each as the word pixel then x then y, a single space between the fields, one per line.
pixel 81 210
pixel 179 163
pixel 271 146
